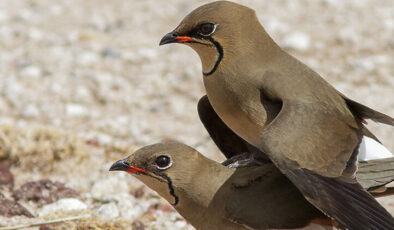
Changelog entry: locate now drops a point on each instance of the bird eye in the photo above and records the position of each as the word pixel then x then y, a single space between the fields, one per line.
pixel 207 29
pixel 163 162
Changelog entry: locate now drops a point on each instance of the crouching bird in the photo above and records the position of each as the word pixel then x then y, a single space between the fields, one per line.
pixel 210 195
pixel 285 110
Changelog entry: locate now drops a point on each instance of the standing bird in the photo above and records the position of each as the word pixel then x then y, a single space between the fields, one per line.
pixel 254 197
pixel 279 106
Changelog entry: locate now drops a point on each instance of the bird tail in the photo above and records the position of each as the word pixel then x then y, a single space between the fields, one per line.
pixel 374 175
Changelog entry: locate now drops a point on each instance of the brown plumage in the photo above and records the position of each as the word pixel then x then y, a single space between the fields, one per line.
pixel 277 104
pixel 255 197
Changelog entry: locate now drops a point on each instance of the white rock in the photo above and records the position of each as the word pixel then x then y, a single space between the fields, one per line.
pixel 366 64
pixel 147 53
pixel 104 78
pixel 56 87
pixel 297 40
pixel 56 9
pixel 64 205
pixel 25 14
pixel 123 120
pixel 3 16
pixel 129 56
pixel 82 92
pixel 13 87
pixel 31 72
pixel 87 58
pixel 35 34
pixel 115 183
pixel 389 24
pixel 348 34
pixel 180 224
pixel 73 36
pixel 274 24
pixel 130 208
pixel 31 111
pixel 98 21
pixel 76 110
pixel 381 59
pixel 104 138
pixel 108 210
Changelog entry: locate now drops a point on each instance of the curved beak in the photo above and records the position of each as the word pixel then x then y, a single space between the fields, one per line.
pixel 124 165
pixel 173 37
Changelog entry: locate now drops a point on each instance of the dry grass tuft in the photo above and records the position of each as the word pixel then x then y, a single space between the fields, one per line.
pixel 39 147
pixel 93 223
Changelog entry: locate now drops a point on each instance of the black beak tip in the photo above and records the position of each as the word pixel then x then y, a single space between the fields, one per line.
pixel 120 165
pixel 168 38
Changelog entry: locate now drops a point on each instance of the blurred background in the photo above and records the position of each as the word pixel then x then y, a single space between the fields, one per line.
pixel 84 83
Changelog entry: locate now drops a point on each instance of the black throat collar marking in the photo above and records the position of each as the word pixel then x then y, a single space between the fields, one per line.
pixel 170 188
pixel 162 177
pixel 219 58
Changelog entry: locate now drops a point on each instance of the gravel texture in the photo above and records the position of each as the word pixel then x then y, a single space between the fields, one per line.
pixel 84 83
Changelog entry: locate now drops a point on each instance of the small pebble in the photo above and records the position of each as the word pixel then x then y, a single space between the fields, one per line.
pixel 108 210
pixel 64 205
pixel 31 72
pixel 297 41
pixel 76 110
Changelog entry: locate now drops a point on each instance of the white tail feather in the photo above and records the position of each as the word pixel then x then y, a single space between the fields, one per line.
pixel 371 150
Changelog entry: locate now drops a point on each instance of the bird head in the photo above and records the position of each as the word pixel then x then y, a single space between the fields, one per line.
pixel 218 32
pixel 164 167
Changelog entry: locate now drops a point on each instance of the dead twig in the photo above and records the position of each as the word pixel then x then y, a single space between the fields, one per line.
pixel 55 221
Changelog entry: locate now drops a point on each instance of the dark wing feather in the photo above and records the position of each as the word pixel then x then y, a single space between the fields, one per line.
pixel 263 198
pixel 364 112
pixel 348 203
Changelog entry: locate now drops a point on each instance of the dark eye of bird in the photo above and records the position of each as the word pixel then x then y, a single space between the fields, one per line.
pixel 163 162
pixel 206 29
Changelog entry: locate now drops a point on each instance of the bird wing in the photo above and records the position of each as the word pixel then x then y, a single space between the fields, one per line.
pixel 348 203
pixel 263 198
pixel 229 143
pixel 312 136
pixel 315 144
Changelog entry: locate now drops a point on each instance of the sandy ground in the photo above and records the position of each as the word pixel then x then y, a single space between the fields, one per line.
pixel 84 83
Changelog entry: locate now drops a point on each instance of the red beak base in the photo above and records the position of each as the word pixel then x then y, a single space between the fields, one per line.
pixel 133 169
pixel 124 165
pixel 173 37
pixel 182 39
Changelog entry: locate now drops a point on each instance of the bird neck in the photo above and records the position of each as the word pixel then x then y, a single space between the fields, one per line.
pixel 206 182
pixel 253 52
pixel 196 196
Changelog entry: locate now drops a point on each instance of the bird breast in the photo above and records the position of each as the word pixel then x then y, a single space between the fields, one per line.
pixel 238 105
